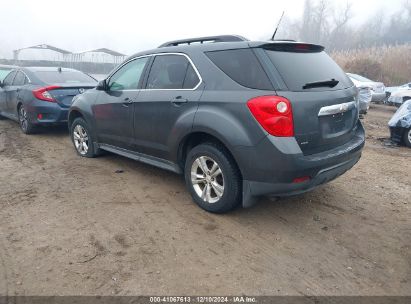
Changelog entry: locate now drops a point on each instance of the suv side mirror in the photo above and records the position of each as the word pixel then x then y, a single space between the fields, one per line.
pixel 1 84
pixel 102 85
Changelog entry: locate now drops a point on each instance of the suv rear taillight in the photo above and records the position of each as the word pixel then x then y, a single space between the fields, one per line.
pixel 44 93
pixel 274 114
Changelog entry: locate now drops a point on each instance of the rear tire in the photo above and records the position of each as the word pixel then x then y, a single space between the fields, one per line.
pixel 24 121
pixel 212 177
pixel 83 139
pixel 407 137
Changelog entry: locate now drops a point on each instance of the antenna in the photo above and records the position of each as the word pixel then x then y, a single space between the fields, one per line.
pixel 278 25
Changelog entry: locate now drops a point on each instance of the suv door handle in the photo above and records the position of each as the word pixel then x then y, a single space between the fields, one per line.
pixel 178 101
pixel 127 101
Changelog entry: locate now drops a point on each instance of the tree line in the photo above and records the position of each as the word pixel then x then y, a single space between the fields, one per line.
pixel 325 23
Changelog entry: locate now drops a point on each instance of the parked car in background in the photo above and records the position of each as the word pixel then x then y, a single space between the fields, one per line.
pixel 239 119
pixel 399 96
pixel 400 124
pixel 377 88
pixel 364 99
pixel 390 90
pixel 5 70
pixel 36 96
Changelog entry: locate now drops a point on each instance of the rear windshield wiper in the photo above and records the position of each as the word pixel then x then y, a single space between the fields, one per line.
pixel 318 84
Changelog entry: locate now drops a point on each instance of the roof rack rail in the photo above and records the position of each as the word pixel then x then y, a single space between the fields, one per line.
pixel 223 38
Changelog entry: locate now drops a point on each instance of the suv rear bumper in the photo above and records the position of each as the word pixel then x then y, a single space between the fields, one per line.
pixel 280 161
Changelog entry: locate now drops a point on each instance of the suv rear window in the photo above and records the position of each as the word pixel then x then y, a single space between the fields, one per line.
pixel 64 77
pixel 299 68
pixel 243 67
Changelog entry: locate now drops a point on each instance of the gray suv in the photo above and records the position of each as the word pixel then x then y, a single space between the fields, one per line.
pixel 239 119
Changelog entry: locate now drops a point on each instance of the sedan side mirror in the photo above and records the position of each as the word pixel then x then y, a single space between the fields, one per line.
pixel 102 85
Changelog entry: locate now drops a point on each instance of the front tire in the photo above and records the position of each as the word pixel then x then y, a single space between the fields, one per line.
pixel 82 138
pixel 407 137
pixel 24 120
pixel 212 177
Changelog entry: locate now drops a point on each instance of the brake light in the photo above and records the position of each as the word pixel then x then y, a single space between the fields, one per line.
pixel 302 179
pixel 44 93
pixel 302 47
pixel 274 114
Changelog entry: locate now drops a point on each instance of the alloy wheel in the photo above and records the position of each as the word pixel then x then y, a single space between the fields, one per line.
pixel 81 139
pixel 207 179
pixel 23 118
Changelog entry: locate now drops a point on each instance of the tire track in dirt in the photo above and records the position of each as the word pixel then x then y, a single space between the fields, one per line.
pixel 4 281
pixel 17 146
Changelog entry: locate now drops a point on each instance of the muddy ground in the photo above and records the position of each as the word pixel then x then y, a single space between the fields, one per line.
pixel 70 225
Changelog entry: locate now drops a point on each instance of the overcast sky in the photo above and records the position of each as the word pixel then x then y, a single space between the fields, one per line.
pixel 130 26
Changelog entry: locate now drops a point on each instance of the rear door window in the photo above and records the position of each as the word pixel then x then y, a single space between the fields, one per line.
pixel 191 80
pixel 20 79
pixel 300 68
pixel 243 67
pixel 172 72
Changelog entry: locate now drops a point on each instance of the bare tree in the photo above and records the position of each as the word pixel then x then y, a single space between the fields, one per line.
pixel 320 21
pixel 340 33
pixel 323 23
pixel 305 29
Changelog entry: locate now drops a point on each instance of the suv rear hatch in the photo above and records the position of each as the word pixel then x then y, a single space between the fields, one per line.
pixel 323 98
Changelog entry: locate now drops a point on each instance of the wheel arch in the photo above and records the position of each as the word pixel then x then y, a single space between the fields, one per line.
pixel 19 104
pixel 73 115
pixel 196 138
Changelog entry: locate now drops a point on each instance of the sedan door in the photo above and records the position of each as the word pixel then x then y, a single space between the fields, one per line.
pixel 168 103
pixel 13 92
pixel 7 83
pixel 113 109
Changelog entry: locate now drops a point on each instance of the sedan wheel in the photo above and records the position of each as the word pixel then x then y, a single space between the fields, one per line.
pixel 26 126
pixel 81 139
pixel 23 118
pixel 207 179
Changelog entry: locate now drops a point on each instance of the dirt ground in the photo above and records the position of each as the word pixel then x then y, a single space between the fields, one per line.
pixel 70 225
